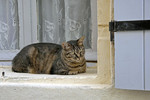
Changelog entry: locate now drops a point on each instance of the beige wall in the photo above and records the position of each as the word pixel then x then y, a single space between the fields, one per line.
pixel 104 46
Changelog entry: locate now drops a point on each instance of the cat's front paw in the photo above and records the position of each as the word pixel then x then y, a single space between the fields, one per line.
pixel 72 72
pixel 82 70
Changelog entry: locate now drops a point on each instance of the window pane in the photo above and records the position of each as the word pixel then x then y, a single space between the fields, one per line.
pixel 9 25
pixel 63 20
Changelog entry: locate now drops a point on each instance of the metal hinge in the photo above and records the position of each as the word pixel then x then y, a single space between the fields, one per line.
pixel 115 26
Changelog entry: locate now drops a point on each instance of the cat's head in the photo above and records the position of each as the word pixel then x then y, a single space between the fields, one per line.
pixel 74 50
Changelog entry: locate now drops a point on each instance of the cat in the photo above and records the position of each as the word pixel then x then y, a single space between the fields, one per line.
pixel 50 58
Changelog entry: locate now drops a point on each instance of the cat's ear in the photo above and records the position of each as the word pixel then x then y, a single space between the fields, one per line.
pixel 66 46
pixel 80 41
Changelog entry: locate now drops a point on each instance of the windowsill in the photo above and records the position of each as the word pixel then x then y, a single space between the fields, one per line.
pixel 58 86
pixel 90 77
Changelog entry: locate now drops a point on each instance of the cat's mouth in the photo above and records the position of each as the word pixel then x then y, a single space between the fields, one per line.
pixel 78 60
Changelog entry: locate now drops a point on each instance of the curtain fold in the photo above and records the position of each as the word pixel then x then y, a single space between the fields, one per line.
pixel 9 25
pixel 63 20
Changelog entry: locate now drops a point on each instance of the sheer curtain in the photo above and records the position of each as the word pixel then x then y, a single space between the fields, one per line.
pixel 9 25
pixel 63 20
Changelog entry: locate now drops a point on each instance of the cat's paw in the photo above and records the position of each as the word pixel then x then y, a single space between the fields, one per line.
pixel 82 70
pixel 72 72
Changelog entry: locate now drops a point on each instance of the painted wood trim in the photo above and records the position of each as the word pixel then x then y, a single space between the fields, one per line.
pixel 94 24
pixel 147 47
pixel 8 54
pixel 129 58
pixel 34 25
pixel 90 55
pixel 20 13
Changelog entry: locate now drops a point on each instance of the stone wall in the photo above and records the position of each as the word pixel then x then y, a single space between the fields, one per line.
pixel 104 12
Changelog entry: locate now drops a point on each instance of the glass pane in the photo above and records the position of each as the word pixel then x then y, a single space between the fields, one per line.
pixel 63 20
pixel 9 25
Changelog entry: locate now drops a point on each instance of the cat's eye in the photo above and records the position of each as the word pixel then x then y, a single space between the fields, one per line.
pixel 74 56
pixel 81 53
pixel 68 55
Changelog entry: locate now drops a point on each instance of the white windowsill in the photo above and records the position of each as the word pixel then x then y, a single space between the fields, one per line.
pixel 58 86
pixel 84 78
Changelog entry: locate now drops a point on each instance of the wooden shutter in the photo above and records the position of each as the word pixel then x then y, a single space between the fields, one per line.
pixel 129 47
pixel 147 47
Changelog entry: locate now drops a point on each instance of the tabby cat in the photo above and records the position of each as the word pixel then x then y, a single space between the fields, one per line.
pixel 49 58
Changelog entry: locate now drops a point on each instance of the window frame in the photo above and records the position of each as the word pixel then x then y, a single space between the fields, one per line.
pixel 91 54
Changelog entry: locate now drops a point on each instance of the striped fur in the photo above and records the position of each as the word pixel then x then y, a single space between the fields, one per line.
pixel 48 58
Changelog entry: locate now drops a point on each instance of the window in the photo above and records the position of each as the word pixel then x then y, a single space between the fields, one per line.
pixel 9 29
pixel 18 25
pixel 57 23
pixel 29 17
pixel 28 29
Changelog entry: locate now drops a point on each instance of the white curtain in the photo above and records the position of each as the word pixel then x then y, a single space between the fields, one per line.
pixel 9 27
pixel 63 20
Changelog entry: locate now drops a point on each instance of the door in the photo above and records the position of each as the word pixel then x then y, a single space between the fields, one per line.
pixel 132 49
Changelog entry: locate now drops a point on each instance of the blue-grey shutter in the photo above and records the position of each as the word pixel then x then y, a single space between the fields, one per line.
pixel 147 47
pixel 129 47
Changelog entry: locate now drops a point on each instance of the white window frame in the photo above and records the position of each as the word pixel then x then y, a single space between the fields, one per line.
pixel 27 28
pixel 91 54
pixel 27 12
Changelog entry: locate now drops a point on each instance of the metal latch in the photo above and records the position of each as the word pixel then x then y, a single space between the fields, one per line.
pixel 115 26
